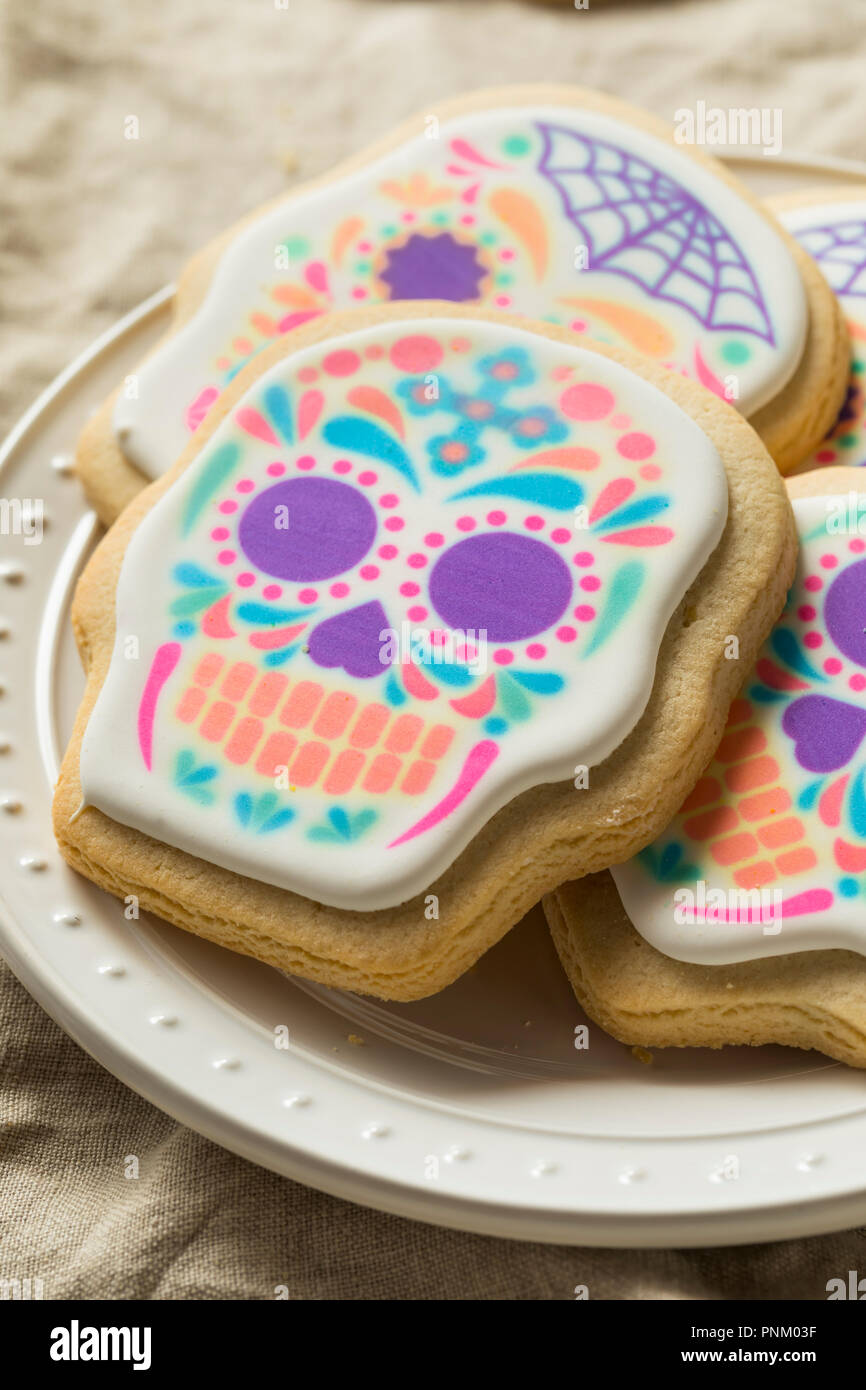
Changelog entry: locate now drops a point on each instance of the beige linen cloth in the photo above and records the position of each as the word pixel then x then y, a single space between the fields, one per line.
pixel 236 99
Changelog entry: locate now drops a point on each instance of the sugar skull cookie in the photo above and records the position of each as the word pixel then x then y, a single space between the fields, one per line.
pixel 430 616
pixel 831 226
pixel 558 204
pixel 745 921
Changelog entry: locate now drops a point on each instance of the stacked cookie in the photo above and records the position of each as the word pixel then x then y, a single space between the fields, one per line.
pixel 444 528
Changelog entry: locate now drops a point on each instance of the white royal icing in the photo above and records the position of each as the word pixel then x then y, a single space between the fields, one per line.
pixel 553 212
pixel 419 568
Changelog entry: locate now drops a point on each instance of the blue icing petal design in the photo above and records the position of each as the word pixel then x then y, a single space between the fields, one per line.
pixel 194 577
pixel 277 820
pixel 446 671
pixel 634 513
pixel 193 781
pixel 621 595
pixel 513 357
pixel 339 819
pixel 194 602
pixel 219 467
pixel 671 855
pixel 765 696
pixel 857 804
pixel 394 692
pixel 809 795
pixel 341 827
pixel 540 682
pixel 262 814
pixel 544 489
pixel 281 655
pixel 785 645
pixel 278 405
pixel 512 699
pixel 263 615
pixel 362 437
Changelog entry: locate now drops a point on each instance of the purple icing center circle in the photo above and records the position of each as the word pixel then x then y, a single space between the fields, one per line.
pixel 845 612
pixel 306 529
pixel 511 586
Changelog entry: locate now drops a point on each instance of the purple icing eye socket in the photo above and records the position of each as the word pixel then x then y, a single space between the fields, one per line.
pixel 845 612
pixel 512 586
pixel 306 529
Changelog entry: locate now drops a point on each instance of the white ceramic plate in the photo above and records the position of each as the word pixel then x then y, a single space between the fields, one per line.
pixel 474 1108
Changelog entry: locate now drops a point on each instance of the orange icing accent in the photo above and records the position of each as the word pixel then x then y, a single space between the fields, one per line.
pixel 381 774
pixel 782 832
pixel 295 296
pixel 344 772
pixel 578 460
pixel 276 753
pixel 208 669
pixel 735 847
pixel 217 720
pixel 345 233
pixel 739 712
pixel 375 402
pixel 711 823
pixel 437 742
pixel 643 332
pixel 190 704
pixel 765 804
pixel 522 217
pixel 263 700
pixel 418 778
pixel 335 715
pixel 403 733
pixel 238 680
pixel 298 709
pixel 369 725
pixel 755 875
pixel 309 762
pixel 742 744
pixel 245 736
pixel 796 861
pixel 755 773
pixel 707 790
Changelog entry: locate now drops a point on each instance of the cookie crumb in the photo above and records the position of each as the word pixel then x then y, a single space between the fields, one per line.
pixel 641 1054
pixel 355 1040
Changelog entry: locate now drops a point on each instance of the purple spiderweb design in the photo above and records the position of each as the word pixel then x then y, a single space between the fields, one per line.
pixel 840 251
pixel 638 222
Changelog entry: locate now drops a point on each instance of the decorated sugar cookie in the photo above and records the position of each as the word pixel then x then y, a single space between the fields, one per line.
pixel 831 226
pixel 405 602
pixel 549 202
pixel 761 875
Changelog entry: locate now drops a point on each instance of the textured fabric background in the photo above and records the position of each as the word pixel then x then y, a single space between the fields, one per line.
pixel 236 99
